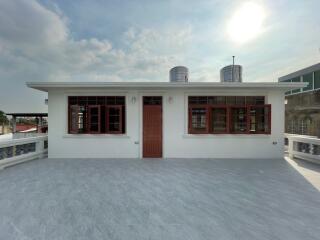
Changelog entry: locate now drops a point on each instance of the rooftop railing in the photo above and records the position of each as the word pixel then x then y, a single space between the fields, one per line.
pixel 303 147
pixel 14 151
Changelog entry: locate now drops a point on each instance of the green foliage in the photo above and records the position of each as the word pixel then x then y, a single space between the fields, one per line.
pixel 3 118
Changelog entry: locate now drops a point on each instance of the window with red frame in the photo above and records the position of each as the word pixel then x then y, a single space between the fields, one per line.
pixel 259 119
pixel 229 114
pixel 96 114
pixel 238 119
pixel 114 119
pixel 219 120
pixel 198 120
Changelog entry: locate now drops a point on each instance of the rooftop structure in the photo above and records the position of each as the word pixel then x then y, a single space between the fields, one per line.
pixel 165 119
pixel 231 73
pixel 179 74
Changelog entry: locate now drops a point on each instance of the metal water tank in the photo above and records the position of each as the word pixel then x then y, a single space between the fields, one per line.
pixel 231 73
pixel 179 74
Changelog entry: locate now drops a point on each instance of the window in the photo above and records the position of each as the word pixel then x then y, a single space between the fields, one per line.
pixel 152 100
pixel 259 119
pixel 296 79
pixel 77 121
pixel 114 119
pixel 219 120
pixel 287 80
pixel 308 78
pixel 199 120
pixel 238 121
pixel 97 114
pixel 229 114
pixel 94 118
pixel 317 79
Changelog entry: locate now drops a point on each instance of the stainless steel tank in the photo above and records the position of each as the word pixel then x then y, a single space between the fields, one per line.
pixel 179 74
pixel 231 73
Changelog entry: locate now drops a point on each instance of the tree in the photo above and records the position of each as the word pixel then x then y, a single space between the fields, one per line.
pixel 3 118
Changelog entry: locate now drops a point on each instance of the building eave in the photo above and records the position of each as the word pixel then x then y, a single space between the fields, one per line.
pixel 300 72
pixel 46 86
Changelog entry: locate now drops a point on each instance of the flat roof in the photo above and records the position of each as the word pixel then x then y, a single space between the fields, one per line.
pixel 45 86
pixel 300 72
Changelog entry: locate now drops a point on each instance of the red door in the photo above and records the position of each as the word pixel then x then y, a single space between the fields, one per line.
pixel 152 127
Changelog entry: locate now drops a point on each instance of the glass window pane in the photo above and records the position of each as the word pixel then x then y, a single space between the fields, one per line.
pixel 154 100
pixel 77 119
pixel 288 80
pixel 74 110
pixel 238 120
pixel 83 100
pixel 308 78
pixel 219 120
pixel 73 100
pixel 259 120
pixel 94 116
pixel 297 79
pixel 240 100
pixel 231 100
pixel 255 100
pixel 110 100
pixel 114 119
pixel 198 118
pixel 317 79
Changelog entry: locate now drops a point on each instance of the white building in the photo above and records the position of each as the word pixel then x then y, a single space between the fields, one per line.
pixel 165 119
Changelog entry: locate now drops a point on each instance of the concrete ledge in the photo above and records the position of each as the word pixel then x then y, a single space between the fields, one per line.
pixel 95 136
pixel 21 158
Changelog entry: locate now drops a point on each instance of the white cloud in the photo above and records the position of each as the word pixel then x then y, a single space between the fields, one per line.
pixel 37 42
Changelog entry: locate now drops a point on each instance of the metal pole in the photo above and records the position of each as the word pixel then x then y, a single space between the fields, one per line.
pixel 232 68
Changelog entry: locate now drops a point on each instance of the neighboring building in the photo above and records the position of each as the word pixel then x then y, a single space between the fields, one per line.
pixel 22 127
pixel 165 119
pixel 303 105
pixel 29 122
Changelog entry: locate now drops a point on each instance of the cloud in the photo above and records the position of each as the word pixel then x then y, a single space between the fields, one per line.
pixel 36 44
pixel 39 42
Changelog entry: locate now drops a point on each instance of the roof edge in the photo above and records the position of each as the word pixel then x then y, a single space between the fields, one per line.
pixel 45 86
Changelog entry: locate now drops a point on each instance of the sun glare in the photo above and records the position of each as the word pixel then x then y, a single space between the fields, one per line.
pixel 246 23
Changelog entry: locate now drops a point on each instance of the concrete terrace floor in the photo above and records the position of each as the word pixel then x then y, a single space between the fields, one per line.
pixel 157 199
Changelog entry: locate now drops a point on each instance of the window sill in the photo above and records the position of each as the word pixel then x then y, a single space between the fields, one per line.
pixel 226 135
pixel 87 135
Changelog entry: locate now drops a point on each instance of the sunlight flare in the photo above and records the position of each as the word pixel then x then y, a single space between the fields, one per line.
pixel 246 23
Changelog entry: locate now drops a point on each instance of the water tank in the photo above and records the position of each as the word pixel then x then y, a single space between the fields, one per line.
pixel 179 74
pixel 231 73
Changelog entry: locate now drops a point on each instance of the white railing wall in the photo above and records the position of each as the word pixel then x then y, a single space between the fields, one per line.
pixel 16 151
pixel 304 147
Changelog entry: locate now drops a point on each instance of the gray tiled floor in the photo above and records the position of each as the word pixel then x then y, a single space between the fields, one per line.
pixel 157 199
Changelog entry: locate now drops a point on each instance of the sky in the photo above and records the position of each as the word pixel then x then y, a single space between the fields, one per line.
pixel 140 40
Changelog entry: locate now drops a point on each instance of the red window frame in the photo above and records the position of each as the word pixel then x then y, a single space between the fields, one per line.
pixel 89 118
pixel 195 131
pixel 268 106
pixel 103 102
pixel 108 119
pixel 209 117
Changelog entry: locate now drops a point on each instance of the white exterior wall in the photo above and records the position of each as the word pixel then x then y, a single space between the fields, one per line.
pixel 177 143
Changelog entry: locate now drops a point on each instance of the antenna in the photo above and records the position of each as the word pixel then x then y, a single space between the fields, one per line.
pixel 232 68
